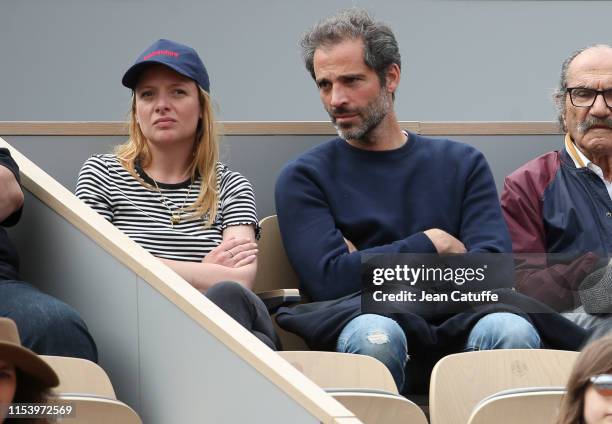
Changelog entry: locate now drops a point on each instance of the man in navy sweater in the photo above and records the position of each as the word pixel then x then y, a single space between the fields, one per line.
pixel 378 189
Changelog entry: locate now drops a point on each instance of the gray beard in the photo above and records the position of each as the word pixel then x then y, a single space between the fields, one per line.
pixel 373 114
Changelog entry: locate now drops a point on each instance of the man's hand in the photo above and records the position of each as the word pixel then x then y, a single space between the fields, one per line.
pixel 11 196
pixel 444 242
pixel 233 253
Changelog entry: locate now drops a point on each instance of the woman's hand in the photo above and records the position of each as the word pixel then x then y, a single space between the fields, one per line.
pixel 234 252
pixel 235 259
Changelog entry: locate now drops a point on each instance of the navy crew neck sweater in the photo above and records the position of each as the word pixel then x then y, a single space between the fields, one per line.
pixel 382 201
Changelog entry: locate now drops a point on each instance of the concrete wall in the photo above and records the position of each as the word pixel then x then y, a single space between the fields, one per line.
pixel 462 59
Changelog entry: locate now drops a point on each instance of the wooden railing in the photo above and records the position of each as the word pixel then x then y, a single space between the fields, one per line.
pixel 285 128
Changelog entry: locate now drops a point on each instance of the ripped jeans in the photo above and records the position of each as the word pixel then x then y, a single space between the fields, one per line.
pixel 383 339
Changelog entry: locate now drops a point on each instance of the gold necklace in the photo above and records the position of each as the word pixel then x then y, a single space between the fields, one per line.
pixel 175 217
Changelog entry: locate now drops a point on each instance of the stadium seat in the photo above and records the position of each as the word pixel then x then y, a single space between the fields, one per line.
pixel 460 381
pixel 96 410
pixel 378 407
pixel 273 268
pixel 331 370
pixel 80 376
pixel 525 406
pixel 276 282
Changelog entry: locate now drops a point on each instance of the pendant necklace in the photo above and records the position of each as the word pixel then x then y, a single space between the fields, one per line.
pixel 175 216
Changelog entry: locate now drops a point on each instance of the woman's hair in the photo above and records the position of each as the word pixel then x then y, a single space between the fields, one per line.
pixel 595 359
pixel 29 390
pixel 203 163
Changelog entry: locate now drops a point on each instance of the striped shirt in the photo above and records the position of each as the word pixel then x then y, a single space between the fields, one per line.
pixel 144 214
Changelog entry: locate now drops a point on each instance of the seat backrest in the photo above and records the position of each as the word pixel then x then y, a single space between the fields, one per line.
pixel 275 272
pixel 537 406
pixel 80 376
pixel 332 370
pixel 96 410
pixel 273 268
pixel 379 408
pixel 460 381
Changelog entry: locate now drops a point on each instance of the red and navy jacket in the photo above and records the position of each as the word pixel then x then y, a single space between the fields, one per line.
pixel 553 207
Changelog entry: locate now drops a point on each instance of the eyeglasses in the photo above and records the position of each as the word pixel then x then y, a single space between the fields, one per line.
pixel 602 383
pixel 585 97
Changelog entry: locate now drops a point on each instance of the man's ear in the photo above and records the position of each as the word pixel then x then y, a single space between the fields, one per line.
pixel 393 77
pixel 563 120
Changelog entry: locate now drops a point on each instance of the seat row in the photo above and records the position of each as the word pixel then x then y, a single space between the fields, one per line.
pixel 501 386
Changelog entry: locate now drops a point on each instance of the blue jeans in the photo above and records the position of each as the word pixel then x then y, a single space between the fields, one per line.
pixel 379 337
pixel 383 339
pixel 503 330
pixel 46 325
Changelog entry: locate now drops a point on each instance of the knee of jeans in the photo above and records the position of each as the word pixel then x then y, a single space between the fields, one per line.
pixel 379 337
pixel 44 312
pixel 60 317
pixel 48 319
pixel 225 287
pixel 376 336
pixel 503 330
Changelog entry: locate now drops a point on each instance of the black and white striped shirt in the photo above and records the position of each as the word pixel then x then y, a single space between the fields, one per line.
pixel 144 215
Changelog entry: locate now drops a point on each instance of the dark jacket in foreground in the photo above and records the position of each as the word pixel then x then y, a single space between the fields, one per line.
pixel 9 261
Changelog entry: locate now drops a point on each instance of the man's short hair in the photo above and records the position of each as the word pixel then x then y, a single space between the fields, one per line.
pixel 381 49
pixel 560 93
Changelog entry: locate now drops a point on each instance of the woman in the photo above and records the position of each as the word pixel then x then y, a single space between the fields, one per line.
pixel 166 189
pixel 24 377
pixel 589 390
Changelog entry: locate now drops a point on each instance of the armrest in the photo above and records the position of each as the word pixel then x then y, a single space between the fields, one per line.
pixel 274 299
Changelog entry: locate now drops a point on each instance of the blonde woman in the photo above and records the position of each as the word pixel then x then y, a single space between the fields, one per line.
pixel 167 190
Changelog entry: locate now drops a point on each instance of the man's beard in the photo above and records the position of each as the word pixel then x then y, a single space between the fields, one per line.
pixel 372 114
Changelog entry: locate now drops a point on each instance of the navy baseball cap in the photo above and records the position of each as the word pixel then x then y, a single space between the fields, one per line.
pixel 179 57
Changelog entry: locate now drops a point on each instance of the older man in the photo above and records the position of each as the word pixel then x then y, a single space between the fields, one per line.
pixel 559 206
pixel 378 189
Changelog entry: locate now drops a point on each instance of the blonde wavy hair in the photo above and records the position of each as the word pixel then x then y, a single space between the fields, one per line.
pixel 203 163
